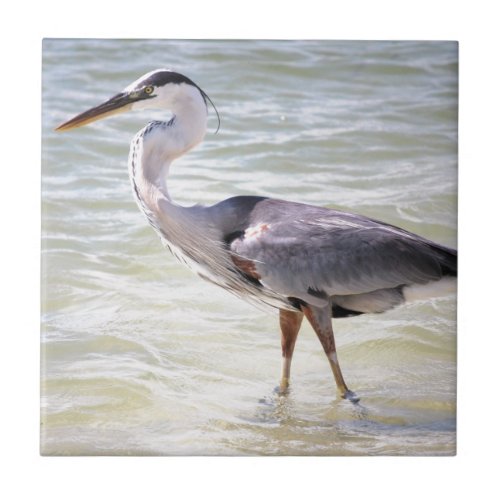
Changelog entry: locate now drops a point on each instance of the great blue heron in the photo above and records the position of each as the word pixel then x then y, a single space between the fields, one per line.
pixel 301 259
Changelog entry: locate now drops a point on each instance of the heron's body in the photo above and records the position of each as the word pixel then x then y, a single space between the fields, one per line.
pixel 302 259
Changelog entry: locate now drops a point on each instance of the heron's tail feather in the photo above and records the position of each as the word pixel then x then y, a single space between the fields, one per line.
pixel 447 258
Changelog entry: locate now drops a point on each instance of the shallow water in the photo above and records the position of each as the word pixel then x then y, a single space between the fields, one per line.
pixel 139 356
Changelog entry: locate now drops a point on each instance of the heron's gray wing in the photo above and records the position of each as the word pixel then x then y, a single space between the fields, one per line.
pixel 302 251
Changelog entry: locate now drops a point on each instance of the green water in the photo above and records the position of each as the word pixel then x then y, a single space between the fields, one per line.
pixel 139 356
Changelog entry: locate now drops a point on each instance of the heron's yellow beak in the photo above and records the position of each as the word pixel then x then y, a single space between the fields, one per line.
pixel 117 104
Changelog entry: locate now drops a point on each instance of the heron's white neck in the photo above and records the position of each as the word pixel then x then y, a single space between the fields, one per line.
pixel 152 151
pixel 159 143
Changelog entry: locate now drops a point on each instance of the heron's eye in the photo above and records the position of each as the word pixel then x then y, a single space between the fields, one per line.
pixel 149 89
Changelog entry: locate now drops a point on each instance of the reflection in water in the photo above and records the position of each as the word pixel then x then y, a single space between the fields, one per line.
pixel 341 428
pixel 277 408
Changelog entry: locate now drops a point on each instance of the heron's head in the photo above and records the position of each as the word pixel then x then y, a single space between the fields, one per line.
pixel 158 89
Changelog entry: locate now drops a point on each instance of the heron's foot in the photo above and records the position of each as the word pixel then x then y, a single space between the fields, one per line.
pixel 284 386
pixel 351 396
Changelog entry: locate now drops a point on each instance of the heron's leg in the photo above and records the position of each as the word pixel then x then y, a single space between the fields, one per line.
pixel 321 321
pixel 290 322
